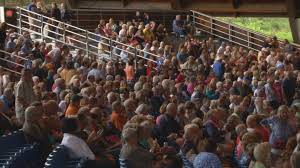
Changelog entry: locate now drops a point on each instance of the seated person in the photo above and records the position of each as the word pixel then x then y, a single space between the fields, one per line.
pixel 77 147
pixel 35 130
pixel 132 152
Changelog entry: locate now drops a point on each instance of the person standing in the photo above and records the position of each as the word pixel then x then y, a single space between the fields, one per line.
pixel 24 94
pixel 55 12
pixel 280 130
pixel 289 87
pixel 218 68
pixel 65 13
pixel 3 27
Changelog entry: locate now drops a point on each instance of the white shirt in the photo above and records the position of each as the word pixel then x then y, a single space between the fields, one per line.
pixel 271 60
pixel 96 73
pixel 62 106
pixel 77 148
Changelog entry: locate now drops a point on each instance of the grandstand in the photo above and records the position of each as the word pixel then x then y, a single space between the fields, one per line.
pixel 166 86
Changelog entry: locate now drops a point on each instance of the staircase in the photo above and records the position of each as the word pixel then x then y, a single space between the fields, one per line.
pixel 81 39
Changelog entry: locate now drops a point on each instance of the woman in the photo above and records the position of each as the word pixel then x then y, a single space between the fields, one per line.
pixel 135 155
pixel 34 128
pixel 262 155
pixel 6 124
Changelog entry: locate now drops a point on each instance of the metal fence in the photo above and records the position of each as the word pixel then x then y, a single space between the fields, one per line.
pixel 85 40
pixel 12 62
pixel 230 32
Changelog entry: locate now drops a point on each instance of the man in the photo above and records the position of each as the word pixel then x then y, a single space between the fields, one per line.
pixel 77 147
pixel 254 126
pixel 74 106
pixel 178 26
pixel 55 55
pixel 212 128
pixel 59 86
pixel 94 71
pixel 24 94
pixel 289 87
pixel 32 5
pixel 192 144
pixel 168 128
pixel 218 68
pixel 7 99
pixel 280 129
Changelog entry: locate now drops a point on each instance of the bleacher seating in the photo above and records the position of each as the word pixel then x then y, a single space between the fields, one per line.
pixel 15 152
pixel 59 159
pixel 123 163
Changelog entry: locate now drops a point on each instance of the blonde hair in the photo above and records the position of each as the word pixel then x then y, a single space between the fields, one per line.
pixel 261 152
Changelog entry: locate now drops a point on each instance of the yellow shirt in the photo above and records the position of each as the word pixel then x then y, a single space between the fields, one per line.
pixel 148 35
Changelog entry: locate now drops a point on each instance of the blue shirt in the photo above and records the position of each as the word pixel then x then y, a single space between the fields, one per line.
pixel 10 45
pixel 181 57
pixel 280 131
pixel 207 160
pixel 5 104
pixel 30 6
pixel 218 68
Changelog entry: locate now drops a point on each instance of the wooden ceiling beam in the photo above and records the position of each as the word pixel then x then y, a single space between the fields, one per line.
pixel 124 3
pixel 176 4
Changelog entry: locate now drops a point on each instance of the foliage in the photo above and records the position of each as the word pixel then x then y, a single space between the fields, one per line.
pixel 269 26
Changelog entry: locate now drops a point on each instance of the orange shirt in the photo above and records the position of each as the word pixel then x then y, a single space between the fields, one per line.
pixel 71 111
pixel 129 73
pixel 68 74
pixel 118 120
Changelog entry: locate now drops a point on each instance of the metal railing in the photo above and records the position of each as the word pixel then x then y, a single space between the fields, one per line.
pixel 12 62
pixel 230 32
pixel 81 39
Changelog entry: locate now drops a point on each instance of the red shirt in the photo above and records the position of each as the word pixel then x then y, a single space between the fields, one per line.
pixel 264 132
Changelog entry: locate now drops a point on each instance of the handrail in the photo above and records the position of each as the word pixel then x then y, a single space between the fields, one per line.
pixel 87 34
pixel 11 54
pixel 37 33
pixel 250 34
pixel 10 62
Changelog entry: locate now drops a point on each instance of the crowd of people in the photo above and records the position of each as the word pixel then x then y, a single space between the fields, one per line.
pixel 198 105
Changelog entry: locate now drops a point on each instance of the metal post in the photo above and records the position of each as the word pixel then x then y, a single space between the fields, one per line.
pixel 229 29
pixel 135 58
pixel 110 48
pixel 19 20
pixel 194 19
pixel 248 38
pixel 77 22
pixel 87 43
pixel 42 23
pixel 211 25
pixel 64 33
